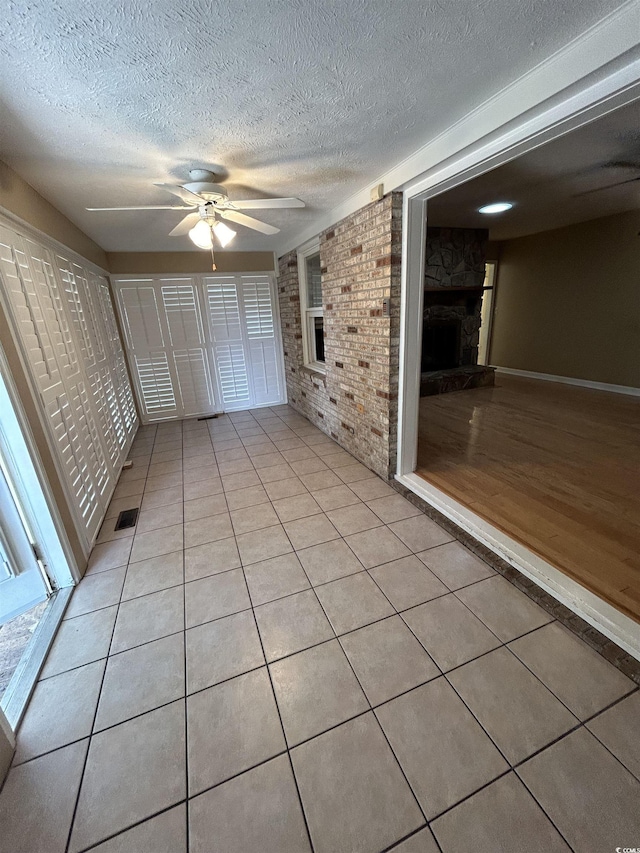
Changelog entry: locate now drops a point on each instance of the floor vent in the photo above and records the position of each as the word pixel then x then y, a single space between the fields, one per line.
pixel 127 518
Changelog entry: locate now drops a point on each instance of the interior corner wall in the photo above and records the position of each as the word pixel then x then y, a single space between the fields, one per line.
pixel 356 402
pixel 19 198
pixel 568 302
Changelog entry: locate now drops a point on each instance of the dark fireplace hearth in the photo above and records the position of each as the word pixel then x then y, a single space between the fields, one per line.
pixel 450 333
pixel 441 345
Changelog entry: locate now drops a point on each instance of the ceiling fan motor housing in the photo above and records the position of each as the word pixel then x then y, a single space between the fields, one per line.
pixel 211 192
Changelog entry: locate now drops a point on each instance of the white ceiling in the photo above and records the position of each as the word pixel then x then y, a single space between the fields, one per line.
pixel 310 98
pixel 586 174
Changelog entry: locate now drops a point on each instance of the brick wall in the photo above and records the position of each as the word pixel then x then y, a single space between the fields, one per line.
pixel 356 403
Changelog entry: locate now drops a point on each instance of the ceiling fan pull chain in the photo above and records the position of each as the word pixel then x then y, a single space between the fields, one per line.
pixel 213 260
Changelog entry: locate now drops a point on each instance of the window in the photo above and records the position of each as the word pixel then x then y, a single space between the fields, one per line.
pixel 311 309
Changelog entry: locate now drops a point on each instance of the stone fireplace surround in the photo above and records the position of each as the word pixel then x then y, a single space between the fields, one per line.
pixel 454 277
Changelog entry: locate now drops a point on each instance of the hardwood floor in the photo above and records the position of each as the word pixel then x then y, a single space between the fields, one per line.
pixel 554 466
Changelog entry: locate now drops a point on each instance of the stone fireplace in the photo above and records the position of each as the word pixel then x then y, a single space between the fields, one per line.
pixel 454 278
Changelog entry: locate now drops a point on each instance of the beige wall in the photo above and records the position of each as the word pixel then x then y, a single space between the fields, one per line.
pixel 147 263
pixel 568 302
pixel 20 198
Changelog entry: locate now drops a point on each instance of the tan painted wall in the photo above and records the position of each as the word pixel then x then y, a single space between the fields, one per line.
pixel 568 302
pixel 147 263
pixel 20 198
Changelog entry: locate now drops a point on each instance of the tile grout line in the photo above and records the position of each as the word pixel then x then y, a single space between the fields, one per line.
pixel 275 699
pixel 366 698
pixel 184 652
pixel 95 714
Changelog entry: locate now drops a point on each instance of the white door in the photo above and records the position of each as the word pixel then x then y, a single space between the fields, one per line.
pixel 22 584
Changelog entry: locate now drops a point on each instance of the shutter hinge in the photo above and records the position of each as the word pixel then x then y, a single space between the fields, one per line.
pixel 37 553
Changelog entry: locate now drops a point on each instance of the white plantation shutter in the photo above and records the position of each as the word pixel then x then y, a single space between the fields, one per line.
pixel 71 286
pixel 186 335
pixel 194 381
pixel 51 299
pixel 71 450
pixel 155 384
pixel 25 297
pixel 260 325
pixel 167 346
pixel 140 315
pixel 66 331
pixel 225 324
pixel 141 318
pixel 114 374
pixel 182 313
pixel 219 336
pixel 232 373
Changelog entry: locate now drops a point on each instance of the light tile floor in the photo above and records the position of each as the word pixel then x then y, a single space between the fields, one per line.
pixel 286 655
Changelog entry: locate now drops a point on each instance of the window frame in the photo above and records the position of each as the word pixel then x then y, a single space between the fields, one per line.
pixel 307 314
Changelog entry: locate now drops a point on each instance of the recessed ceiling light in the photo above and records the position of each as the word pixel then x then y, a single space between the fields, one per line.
pixel 496 207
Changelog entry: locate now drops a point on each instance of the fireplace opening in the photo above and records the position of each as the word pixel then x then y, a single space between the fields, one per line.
pixel 441 345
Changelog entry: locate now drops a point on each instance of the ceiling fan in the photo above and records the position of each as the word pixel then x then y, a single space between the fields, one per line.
pixel 614 164
pixel 210 204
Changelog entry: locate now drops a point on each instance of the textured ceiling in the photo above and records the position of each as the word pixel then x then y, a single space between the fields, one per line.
pixel 586 174
pixel 100 99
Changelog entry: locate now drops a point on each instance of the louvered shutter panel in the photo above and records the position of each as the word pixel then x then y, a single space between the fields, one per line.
pixel 52 300
pixel 56 312
pixel 114 377
pixel 228 346
pixel 25 296
pixel 146 342
pixel 75 310
pixel 186 337
pixel 258 300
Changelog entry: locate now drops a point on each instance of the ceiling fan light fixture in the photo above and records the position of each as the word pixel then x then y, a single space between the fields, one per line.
pixel 223 233
pixel 201 235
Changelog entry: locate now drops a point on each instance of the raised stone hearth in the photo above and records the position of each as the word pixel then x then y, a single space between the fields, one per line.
pixel 456 379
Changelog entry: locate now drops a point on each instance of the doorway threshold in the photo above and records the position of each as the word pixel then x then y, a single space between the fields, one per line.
pixel 601 615
pixel 23 681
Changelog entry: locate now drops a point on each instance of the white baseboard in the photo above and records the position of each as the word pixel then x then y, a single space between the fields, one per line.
pixel 603 616
pixel 569 380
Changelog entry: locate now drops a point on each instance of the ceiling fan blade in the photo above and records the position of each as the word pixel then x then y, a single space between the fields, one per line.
pixel 187 196
pixel 608 187
pixel 185 225
pixel 249 221
pixel 265 203
pixel 145 207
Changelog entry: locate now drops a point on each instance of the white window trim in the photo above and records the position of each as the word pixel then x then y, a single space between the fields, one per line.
pixel 306 313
